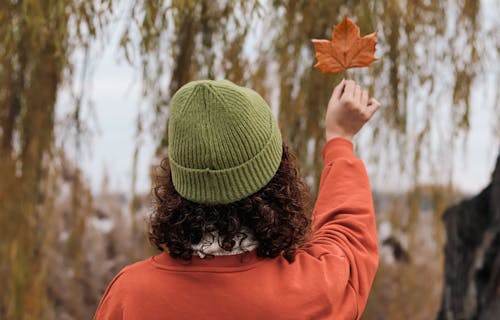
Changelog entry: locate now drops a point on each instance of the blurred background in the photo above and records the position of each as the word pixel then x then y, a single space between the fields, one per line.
pixel 84 94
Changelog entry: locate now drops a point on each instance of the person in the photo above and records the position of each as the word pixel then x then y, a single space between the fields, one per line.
pixel 231 218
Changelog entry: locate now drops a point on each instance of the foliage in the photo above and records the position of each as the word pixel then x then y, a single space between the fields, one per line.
pixel 37 39
pixel 431 56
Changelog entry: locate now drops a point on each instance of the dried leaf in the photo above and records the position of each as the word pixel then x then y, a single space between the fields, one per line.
pixel 346 49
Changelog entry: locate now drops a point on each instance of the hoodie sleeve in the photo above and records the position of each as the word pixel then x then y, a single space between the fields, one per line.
pixel 343 221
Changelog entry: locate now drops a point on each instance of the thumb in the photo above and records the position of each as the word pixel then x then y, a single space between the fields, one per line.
pixel 373 106
pixel 337 92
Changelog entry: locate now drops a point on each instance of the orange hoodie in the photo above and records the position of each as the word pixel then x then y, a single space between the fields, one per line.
pixel 330 278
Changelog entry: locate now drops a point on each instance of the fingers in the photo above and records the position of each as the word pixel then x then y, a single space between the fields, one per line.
pixel 337 92
pixel 350 87
pixel 364 98
pixel 357 94
pixel 358 98
pixel 373 106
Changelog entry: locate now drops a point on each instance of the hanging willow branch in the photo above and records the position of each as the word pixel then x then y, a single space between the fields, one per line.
pixel 37 39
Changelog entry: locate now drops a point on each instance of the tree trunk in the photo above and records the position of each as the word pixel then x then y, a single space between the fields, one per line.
pixel 472 256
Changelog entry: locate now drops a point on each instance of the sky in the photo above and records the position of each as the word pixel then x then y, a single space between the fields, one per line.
pixel 112 104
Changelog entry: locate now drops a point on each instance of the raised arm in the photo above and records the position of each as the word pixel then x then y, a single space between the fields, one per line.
pixel 343 216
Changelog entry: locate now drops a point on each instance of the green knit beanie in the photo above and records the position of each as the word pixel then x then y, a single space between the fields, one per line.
pixel 224 143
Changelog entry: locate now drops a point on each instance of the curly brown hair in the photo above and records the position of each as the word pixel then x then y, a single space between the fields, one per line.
pixel 277 215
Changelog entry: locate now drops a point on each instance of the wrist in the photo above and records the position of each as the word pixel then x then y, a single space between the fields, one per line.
pixel 337 134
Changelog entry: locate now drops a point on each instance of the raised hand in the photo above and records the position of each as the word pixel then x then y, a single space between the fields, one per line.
pixel 348 110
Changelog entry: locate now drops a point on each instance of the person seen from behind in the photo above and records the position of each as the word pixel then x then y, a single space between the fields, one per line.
pixel 231 217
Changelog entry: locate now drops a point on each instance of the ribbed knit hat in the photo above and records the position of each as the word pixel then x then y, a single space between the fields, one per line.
pixel 224 143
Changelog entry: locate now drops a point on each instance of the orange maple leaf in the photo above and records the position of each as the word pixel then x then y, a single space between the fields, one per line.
pixel 346 49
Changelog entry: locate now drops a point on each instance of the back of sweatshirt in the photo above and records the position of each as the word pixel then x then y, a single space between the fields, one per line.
pixel 330 278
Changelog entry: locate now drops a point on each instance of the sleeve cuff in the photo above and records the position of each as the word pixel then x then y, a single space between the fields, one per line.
pixel 337 148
